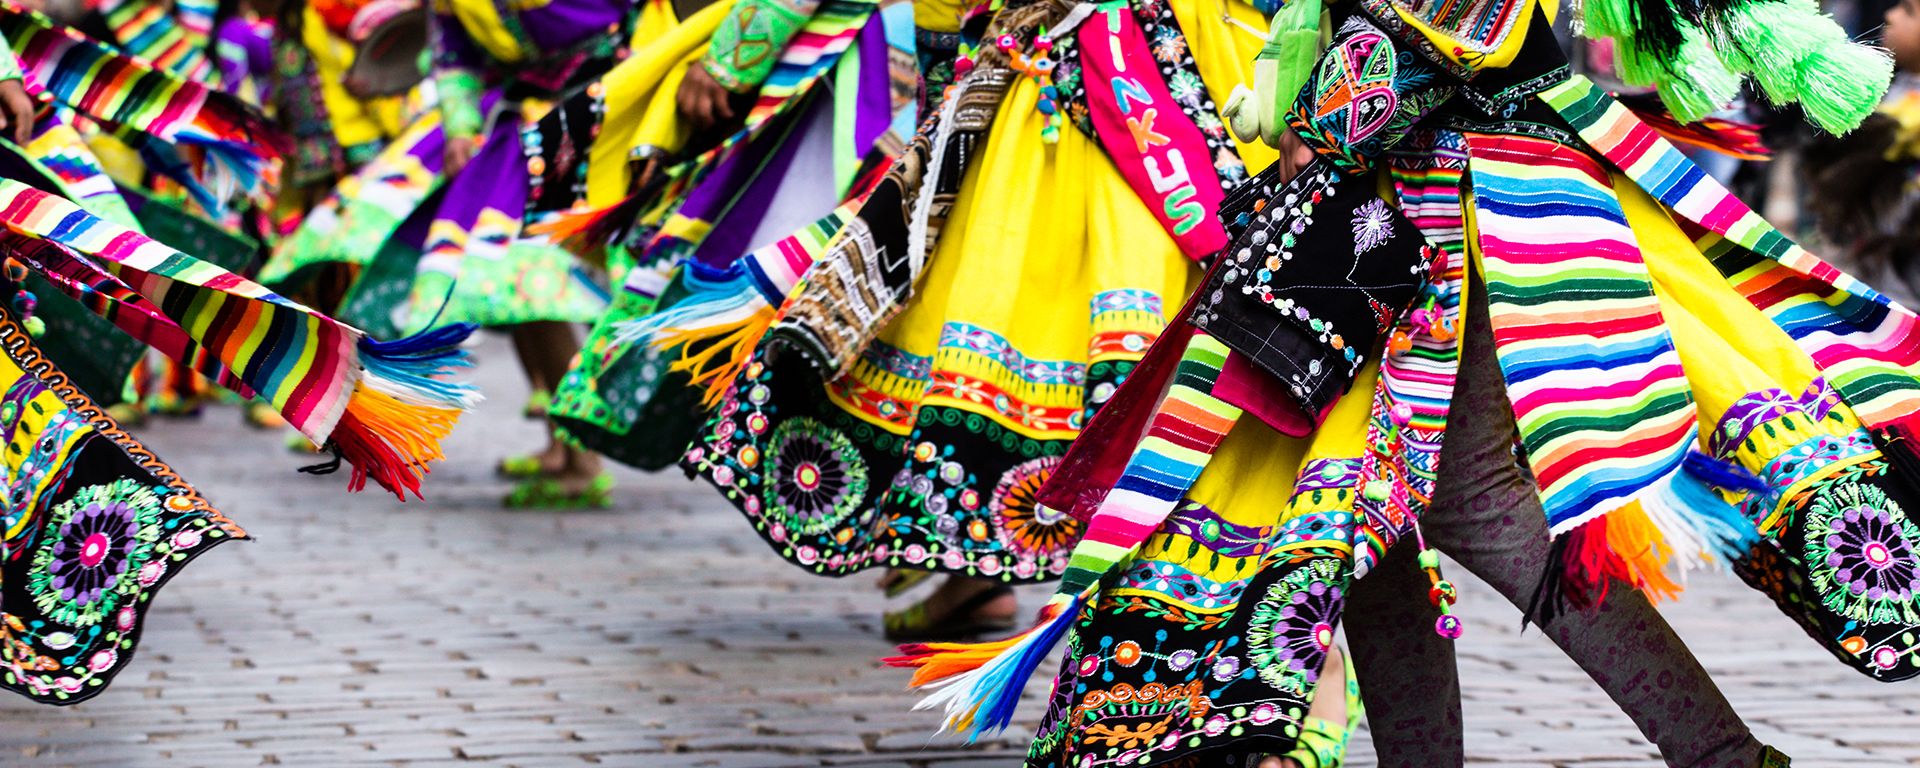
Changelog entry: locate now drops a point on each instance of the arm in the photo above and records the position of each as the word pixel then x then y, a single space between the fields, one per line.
pixel 741 54
pixel 16 107
pixel 751 38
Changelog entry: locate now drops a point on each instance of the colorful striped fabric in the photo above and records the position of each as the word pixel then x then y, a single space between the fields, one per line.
pixel 124 90
pixel 813 52
pixel 1428 182
pixel 777 267
pixel 978 685
pixel 173 36
pixel 1415 389
pixel 377 403
pixel 1597 387
pixel 109 297
pixel 1868 347
pixel 810 54
pixel 61 150
pixel 1185 431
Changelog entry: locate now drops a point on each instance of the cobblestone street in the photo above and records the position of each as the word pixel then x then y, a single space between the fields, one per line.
pixel 357 630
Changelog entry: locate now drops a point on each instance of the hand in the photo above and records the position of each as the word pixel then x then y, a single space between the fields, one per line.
pixel 459 151
pixel 17 111
pixel 1294 155
pixel 703 99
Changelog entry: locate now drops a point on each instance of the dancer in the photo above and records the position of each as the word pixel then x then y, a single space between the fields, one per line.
pixel 730 172
pixel 96 524
pixel 989 296
pixel 1341 397
pixel 435 220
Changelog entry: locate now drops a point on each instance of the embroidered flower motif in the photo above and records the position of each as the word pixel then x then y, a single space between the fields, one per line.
pixel 1187 88
pixel 1169 46
pixel 100 540
pixel 816 477
pixel 1025 526
pixel 1864 559
pixel 1293 625
pixel 1372 226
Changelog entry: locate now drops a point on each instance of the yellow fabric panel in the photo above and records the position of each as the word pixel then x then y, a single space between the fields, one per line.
pixel 482 22
pixel 639 95
pixel 1224 55
pixel 1031 278
pixel 1250 479
pixel 352 124
pixel 1728 347
pixel 938 15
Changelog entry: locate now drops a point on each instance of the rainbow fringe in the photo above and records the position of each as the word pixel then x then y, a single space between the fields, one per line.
pixel 977 685
pixel 379 403
pixel 731 310
pixel 1679 524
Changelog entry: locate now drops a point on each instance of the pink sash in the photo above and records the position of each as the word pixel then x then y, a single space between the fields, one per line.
pixel 1157 148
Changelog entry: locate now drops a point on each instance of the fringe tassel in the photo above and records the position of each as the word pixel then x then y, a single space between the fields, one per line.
pixel 399 411
pixel 732 343
pixel 1693 52
pixel 1728 137
pixel 1639 545
pixel 723 318
pixel 588 232
pixel 1677 526
pixel 978 685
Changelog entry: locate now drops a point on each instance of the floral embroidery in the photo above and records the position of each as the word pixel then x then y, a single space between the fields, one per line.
pixel 1293 625
pixel 100 539
pixel 1372 225
pixel 1860 547
pixel 817 478
pixel 1025 525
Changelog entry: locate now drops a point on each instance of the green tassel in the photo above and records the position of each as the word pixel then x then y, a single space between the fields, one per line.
pixel 1696 84
pixel 1634 66
pixel 1841 84
pixel 1769 39
pixel 1608 18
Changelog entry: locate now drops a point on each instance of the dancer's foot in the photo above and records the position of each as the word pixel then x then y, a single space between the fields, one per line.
pixel 537 404
pixel 896 581
pixel 263 416
pixel 562 492
pixel 550 462
pixel 962 607
pixel 576 483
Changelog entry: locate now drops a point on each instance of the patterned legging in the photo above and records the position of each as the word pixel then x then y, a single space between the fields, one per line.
pixel 1487 516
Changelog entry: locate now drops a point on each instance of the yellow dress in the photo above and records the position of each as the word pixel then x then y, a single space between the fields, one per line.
pixel 1048 281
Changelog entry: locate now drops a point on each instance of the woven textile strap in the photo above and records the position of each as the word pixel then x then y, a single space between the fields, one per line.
pixel 1602 402
pixel 1867 346
pixel 1185 431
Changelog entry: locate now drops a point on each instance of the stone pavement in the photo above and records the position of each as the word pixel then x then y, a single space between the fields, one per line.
pixel 361 631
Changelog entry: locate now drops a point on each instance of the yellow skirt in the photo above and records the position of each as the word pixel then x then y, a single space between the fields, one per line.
pixel 1049 281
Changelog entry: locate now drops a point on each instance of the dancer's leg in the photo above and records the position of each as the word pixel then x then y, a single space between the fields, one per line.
pixel 1486 515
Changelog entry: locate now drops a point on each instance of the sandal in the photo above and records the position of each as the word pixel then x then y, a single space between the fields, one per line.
pixel 549 493
pixel 523 466
pixel 914 625
pixel 263 416
pixel 1322 743
pixel 899 580
pixel 537 404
